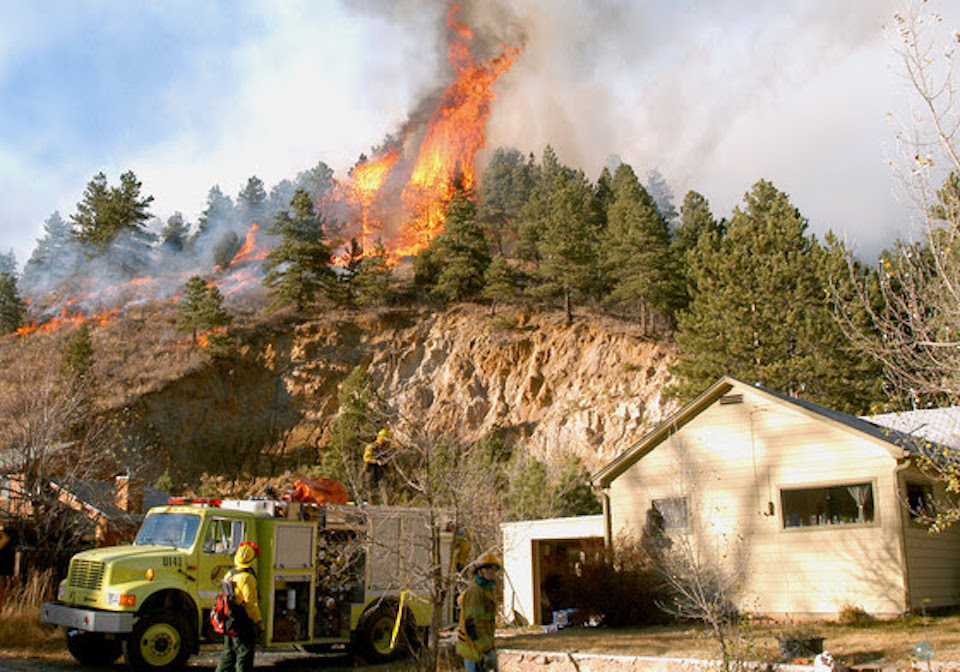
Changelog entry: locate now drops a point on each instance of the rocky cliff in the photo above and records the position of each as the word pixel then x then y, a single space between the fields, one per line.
pixel 590 387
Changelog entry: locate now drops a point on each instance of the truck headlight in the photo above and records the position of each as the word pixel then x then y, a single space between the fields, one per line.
pixel 115 599
pixel 61 592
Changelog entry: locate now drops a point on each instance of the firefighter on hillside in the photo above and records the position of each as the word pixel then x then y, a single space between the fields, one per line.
pixel 375 458
pixel 478 614
pixel 238 649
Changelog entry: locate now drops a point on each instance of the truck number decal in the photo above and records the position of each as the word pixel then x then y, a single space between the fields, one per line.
pixel 172 561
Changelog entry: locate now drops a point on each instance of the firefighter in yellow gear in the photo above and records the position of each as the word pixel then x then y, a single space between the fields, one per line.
pixel 238 649
pixel 478 615
pixel 376 454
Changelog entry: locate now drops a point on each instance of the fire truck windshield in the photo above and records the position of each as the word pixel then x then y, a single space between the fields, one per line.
pixel 169 529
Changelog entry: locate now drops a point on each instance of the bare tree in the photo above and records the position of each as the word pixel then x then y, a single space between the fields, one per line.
pixel 913 311
pixel 459 496
pixel 47 441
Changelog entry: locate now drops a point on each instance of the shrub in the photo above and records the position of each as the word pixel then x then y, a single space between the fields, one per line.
pixel 621 587
pixel 852 614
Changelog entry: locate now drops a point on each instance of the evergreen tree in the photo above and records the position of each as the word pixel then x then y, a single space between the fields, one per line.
pixel 299 267
pixel 373 281
pixel 12 308
pixel 251 202
pixel 318 182
pixel 8 263
pixel 226 249
pixel 567 243
pixel 506 185
pixel 759 309
pixel 662 195
pixel 218 211
pixel 56 256
pixel 174 234
pixel 345 291
pixel 358 420
pixel 201 308
pixel 77 356
pixel 695 221
pixel 461 251
pixel 107 211
pixel 500 282
pixel 635 249
pixel 545 177
pixel 602 198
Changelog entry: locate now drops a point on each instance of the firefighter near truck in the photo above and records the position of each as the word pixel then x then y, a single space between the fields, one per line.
pixel 331 577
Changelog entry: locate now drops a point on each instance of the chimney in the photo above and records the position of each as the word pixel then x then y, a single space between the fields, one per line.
pixel 129 494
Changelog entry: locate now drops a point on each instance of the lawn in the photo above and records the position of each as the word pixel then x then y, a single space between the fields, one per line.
pixel 891 641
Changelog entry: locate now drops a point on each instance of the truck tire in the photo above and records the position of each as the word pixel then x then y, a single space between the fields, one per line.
pixel 160 642
pixel 93 648
pixel 375 632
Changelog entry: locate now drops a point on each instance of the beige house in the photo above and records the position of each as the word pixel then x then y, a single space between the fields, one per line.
pixel 815 509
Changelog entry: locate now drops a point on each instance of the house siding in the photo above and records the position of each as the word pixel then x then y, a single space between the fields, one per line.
pixel 932 560
pixel 732 461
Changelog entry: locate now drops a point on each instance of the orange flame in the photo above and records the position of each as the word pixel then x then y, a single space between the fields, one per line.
pixel 248 251
pixel 368 177
pixel 454 137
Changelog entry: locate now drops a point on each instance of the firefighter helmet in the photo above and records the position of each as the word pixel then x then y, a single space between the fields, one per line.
pixel 384 434
pixel 247 554
pixel 487 560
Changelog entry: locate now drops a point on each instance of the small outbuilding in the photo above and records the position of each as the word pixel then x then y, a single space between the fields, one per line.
pixel 821 510
pixel 542 560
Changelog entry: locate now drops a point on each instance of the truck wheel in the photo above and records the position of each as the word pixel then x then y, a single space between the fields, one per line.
pixel 93 648
pixel 160 642
pixel 375 633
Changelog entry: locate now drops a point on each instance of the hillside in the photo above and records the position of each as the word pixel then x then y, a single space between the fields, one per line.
pixel 590 387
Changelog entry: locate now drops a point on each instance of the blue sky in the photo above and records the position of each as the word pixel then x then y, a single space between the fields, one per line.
pixel 191 94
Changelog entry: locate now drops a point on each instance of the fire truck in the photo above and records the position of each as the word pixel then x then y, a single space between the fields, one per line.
pixel 343 577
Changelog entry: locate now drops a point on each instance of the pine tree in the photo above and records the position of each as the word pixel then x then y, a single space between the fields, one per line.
pixel 759 308
pixel 226 248
pixel 219 211
pixel 105 212
pixel 500 282
pixel 77 356
pixel 56 256
pixel 374 278
pixel 662 195
pixel 462 251
pixel 505 187
pixel 174 234
pixel 299 267
pixel 251 202
pixel 635 249
pixel 567 242
pixel 201 308
pixel 12 308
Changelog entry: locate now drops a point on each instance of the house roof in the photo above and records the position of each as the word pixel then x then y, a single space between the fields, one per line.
pixel 940 425
pixel 99 496
pixel 897 441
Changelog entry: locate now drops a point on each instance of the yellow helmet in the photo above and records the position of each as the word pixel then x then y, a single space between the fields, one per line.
pixel 384 434
pixel 487 560
pixel 247 554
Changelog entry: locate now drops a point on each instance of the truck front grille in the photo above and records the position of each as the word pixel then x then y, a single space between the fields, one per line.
pixel 86 574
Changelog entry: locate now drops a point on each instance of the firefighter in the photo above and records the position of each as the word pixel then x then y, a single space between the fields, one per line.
pixel 478 613
pixel 238 649
pixel 375 458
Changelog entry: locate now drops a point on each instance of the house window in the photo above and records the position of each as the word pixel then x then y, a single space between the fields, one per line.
pixel 674 512
pixel 920 502
pixel 223 536
pixel 834 505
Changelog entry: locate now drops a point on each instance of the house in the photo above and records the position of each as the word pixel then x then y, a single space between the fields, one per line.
pixel 541 562
pixel 815 509
pixel 104 512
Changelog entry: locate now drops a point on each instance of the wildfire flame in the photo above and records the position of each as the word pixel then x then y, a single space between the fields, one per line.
pixel 454 137
pixel 409 181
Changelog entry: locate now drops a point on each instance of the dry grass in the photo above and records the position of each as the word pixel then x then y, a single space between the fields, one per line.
pixel 20 626
pixel 853 644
